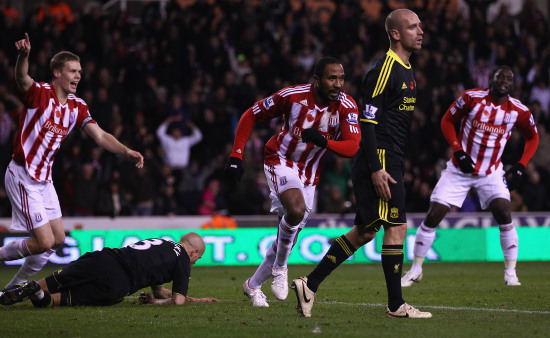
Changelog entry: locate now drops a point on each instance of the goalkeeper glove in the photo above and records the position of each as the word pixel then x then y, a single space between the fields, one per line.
pixel 313 135
pixel 233 170
pixel 515 176
pixel 465 162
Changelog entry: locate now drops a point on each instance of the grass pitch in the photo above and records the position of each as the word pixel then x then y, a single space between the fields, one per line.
pixel 466 300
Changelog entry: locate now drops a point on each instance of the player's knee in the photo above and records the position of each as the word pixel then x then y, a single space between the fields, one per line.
pixel 42 245
pixel 295 214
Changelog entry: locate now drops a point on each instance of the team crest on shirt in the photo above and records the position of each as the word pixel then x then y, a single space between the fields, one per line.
pixel 37 217
pixel 531 120
pixel 394 213
pixel 352 118
pixel 333 120
pixel 460 102
pixel 507 118
pixel 268 102
pixel 282 180
pixel 72 117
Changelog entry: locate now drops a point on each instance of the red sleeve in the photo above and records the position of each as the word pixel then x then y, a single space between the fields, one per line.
pixel 350 135
pixel 449 131
pixel 452 116
pixel 244 128
pixel 526 125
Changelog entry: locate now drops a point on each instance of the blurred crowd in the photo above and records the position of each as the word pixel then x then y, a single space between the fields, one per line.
pixel 172 81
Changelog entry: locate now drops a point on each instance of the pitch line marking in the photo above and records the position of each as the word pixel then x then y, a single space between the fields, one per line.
pixel 447 308
pixel 454 308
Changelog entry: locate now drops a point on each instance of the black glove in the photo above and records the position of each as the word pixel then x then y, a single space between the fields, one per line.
pixel 233 170
pixel 465 162
pixel 312 135
pixel 515 176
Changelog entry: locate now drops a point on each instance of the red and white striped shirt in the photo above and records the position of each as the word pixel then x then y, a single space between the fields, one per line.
pixel 337 122
pixel 43 126
pixel 486 127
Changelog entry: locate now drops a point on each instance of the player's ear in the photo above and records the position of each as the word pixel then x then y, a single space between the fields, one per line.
pixel 394 33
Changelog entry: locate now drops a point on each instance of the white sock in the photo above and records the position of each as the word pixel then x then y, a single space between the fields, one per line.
pixel 509 244
pixel 15 250
pixel 30 267
pixel 285 240
pixel 423 241
pixel 263 273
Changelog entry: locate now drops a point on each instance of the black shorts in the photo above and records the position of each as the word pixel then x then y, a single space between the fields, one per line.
pixel 372 211
pixel 95 278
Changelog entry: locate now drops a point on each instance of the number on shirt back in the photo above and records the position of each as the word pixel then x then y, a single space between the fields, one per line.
pixel 146 244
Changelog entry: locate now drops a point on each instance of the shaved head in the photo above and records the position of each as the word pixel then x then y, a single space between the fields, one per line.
pixel 395 19
pixel 193 241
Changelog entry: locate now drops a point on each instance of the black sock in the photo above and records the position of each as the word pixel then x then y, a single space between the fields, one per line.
pixel 46 301
pixel 339 251
pixel 392 263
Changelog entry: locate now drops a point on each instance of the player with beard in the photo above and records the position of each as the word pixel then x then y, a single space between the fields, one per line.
pixel 315 118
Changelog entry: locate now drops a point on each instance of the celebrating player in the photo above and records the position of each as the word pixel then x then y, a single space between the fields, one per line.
pixel 52 111
pixel 316 117
pixel 377 171
pixel 486 118
pixel 105 277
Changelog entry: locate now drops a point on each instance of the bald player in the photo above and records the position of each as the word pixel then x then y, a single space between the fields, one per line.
pixel 389 97
pixel 105 277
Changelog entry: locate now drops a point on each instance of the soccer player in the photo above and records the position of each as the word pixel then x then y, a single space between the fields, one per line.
pixel 486 118
pixel 316 117
pixel 52 111
pixel 105 277
pixel 389 97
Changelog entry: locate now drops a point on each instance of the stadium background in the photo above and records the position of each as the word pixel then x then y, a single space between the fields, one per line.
pixel 208 61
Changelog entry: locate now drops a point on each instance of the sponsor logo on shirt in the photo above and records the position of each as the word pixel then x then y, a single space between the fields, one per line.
pixel 268 102
pixel 489 127
pixel 369 112
pixel 304 102
pixel 52 127
pixel 404 86
pixel 408 104
pixel 352 118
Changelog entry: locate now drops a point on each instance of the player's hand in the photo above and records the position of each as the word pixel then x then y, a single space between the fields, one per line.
pixel 313 135
pixel 233 170
pixel 23 46
pixel 465 162
pixel 515 176
pixel 136 157
pixel 145 298
pixel 381 180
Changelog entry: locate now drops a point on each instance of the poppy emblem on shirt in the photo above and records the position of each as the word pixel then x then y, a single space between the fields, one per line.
pixel 412 85
pixel 57 113
pixel 309 117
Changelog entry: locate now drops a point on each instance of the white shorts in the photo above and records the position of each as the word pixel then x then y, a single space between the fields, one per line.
pixel 453 186
pixel 33 203
pixel 281 178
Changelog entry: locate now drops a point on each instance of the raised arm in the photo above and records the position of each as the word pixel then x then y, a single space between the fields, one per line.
pixel 22 78
pixel 109 142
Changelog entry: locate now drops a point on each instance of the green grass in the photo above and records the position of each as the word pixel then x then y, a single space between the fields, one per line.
pixel 466 300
